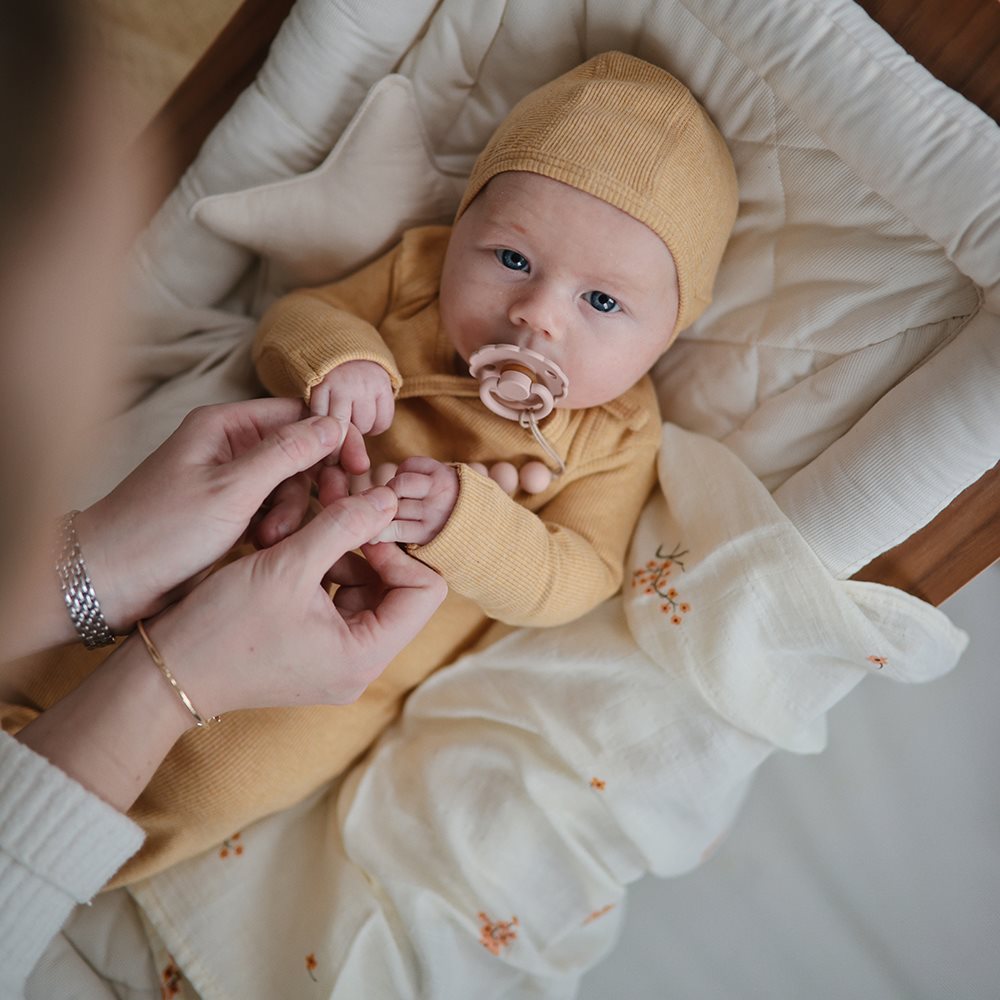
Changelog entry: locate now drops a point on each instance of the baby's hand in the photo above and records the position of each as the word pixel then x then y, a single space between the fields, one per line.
pixel 359 395
pixel 427 491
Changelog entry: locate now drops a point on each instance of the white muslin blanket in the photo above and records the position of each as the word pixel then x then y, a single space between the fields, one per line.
pixel 484 847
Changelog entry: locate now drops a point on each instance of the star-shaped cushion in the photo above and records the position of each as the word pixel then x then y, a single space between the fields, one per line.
pixel 319 226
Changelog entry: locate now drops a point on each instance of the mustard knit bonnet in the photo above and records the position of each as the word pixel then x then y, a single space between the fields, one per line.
pixel 629 133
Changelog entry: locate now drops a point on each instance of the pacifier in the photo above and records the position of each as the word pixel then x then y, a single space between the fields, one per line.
pixel 515 382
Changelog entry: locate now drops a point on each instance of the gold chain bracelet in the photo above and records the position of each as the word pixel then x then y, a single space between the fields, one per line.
pixel 154 653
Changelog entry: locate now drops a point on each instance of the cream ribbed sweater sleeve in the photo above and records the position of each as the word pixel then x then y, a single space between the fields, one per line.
pixel 548 568
pixel 307 333
pixel 59 845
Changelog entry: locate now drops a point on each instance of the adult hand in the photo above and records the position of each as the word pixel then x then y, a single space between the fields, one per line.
pixel 263 631
pixel 193 498
pixel 260 632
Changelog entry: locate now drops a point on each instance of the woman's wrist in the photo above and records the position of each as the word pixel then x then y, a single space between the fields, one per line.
pixel 36 614
pixel 111 733
pixel 109 582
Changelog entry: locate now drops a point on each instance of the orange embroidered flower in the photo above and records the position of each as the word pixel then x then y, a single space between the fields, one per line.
pixel 494 937
pixel 653 578
pixel 676 620
pixel 598 913
pixel 598 784
pixel 231 845
pixel 311 966
pixel 879 661
pixel 171 985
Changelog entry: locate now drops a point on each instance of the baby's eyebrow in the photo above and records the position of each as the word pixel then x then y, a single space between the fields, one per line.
pixel 504 225
pixel 619 282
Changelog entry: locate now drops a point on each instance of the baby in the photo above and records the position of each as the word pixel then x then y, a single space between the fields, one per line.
pixel 588 236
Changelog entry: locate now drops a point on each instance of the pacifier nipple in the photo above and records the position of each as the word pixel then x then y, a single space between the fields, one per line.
pixel 514 381
pixel 514 385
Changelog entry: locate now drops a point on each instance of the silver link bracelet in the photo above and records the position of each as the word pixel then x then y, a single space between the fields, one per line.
pixel 78 592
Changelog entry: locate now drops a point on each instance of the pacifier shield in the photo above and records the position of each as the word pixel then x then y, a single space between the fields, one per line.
pixel 515 380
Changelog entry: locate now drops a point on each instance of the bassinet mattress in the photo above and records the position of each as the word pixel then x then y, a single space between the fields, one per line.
pixel 852 354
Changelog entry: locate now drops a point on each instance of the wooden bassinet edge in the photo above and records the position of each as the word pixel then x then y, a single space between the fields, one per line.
pixel 956 40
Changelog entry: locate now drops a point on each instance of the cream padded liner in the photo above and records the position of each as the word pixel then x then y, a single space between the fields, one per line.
pixel 852 354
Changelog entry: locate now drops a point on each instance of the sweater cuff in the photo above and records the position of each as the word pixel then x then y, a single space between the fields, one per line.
pixel 56 829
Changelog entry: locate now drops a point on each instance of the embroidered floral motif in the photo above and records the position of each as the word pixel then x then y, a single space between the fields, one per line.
pixel 879 661
pixel 311 966
pixel 597 914
pixel 598 784
pixel 495 937
pixel 654 577
pixel 231 845
pixel 171 976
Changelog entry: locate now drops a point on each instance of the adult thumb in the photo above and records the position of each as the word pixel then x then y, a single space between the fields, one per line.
pixel 288 450
pixel 338 528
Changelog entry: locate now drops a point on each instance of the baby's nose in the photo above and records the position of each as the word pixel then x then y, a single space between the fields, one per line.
pixel 539 311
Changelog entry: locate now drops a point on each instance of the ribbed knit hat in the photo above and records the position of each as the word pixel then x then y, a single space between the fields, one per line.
pixel 629 133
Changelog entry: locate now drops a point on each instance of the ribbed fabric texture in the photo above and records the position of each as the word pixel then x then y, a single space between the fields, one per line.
pixel 59 844
pixel 629 133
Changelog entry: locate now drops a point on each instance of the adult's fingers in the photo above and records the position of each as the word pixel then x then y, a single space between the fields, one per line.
pixel 405 532
pixel 284 452
pixel 412 592
pixel 353 453
pixel 344 525
pixel 332 484
pixel 289 503
pixel 351 570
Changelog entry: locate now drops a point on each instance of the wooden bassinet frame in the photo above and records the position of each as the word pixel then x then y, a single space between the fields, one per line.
pixel 956 40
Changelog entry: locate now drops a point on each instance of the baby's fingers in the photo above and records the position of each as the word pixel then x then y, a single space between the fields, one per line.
pixel 363 414
pixel 385 409
pixel 319 400
pixel 411 485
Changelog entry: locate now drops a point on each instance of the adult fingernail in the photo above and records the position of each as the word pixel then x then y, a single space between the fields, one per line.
pixel 330 432
pixel 380 497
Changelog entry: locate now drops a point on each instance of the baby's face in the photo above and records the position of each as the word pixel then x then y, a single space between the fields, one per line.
pixel 539 264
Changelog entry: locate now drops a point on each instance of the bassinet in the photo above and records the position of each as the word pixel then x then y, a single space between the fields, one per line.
pixel 853 351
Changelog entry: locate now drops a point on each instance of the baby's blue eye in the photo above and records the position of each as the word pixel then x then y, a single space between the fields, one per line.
pixel 512 259
pixel 603 302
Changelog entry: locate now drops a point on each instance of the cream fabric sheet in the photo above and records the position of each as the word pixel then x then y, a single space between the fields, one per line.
pixel 485 846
